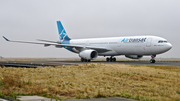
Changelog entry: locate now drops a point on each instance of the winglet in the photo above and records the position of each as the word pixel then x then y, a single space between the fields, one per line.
pixel 5 38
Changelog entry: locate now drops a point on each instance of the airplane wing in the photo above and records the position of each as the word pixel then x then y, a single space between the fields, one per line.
pixel 58 45
pixel 49 41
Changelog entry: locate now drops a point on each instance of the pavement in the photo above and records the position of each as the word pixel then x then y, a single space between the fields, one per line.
pixel 159 63
pixel 64 63
pixel 34 98
pixel 3 99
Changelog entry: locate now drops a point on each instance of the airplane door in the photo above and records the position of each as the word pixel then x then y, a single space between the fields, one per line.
pixel 119 43
pixel 87 43
pixel 148 44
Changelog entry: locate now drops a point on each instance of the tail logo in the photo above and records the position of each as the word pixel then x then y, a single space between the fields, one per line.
pixel 62 33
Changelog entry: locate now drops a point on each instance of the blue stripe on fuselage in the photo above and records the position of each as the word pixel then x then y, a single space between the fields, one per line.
pixel 67 42
pixel 70 49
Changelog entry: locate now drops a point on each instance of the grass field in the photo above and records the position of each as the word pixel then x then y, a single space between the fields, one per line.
pixel 146 83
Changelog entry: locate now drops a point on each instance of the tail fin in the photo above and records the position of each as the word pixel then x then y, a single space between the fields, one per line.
pixel 62 33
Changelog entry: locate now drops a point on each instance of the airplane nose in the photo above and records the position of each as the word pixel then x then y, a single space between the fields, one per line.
pixel 169 46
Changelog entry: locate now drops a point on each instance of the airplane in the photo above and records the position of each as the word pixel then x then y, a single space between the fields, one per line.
pixel 133 47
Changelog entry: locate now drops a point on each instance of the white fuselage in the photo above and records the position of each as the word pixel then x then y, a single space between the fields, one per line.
pixel 130 45
pixel 134 47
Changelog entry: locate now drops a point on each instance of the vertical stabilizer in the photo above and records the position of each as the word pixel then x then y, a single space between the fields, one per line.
pixel 62 33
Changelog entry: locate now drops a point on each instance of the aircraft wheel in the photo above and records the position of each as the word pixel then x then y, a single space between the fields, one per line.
pixel 89 60
pixel 114 59
pixel 111 59
pixel 152 61
pixel 107 59
pixel 82 60
pixel 85 60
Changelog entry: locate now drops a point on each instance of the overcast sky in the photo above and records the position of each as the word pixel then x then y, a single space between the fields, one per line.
pixel 36 19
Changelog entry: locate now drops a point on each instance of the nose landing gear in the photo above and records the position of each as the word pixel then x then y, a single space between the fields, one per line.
pixel 153 60
pixel 111 59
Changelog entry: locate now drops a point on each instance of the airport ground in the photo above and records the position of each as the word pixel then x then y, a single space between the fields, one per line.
pixel 76 61
pixel 72 79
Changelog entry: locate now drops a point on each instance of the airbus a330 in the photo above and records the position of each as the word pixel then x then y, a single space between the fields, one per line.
pixel 134 47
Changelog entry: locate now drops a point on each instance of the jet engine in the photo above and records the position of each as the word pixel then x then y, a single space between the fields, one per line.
pixel 88 54
pixel 134 56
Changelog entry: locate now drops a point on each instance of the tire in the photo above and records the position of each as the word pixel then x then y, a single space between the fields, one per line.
pixel 107 59
pixel 152 61
pixel 111 59
pixel 114 59
pixel 82 60
pixel 89 60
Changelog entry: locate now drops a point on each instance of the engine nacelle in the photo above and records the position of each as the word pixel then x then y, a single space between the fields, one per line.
pixel 88 54
pixel 134 56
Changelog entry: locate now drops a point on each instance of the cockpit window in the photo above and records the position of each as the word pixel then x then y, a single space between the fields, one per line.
pixel 161 41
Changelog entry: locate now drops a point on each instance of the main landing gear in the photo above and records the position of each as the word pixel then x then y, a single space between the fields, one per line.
pixel 152 59
pixel 85 60
pixel 111 59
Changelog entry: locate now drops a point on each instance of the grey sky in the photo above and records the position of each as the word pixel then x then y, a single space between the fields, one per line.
pixel 36 19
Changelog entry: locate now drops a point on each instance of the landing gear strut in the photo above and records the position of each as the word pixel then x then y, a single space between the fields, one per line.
pixel 111 59
pixel 85 60
pixel 152 59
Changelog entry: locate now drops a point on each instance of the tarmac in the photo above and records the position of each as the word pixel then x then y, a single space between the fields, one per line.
pixel 64 63
pixel 159 63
